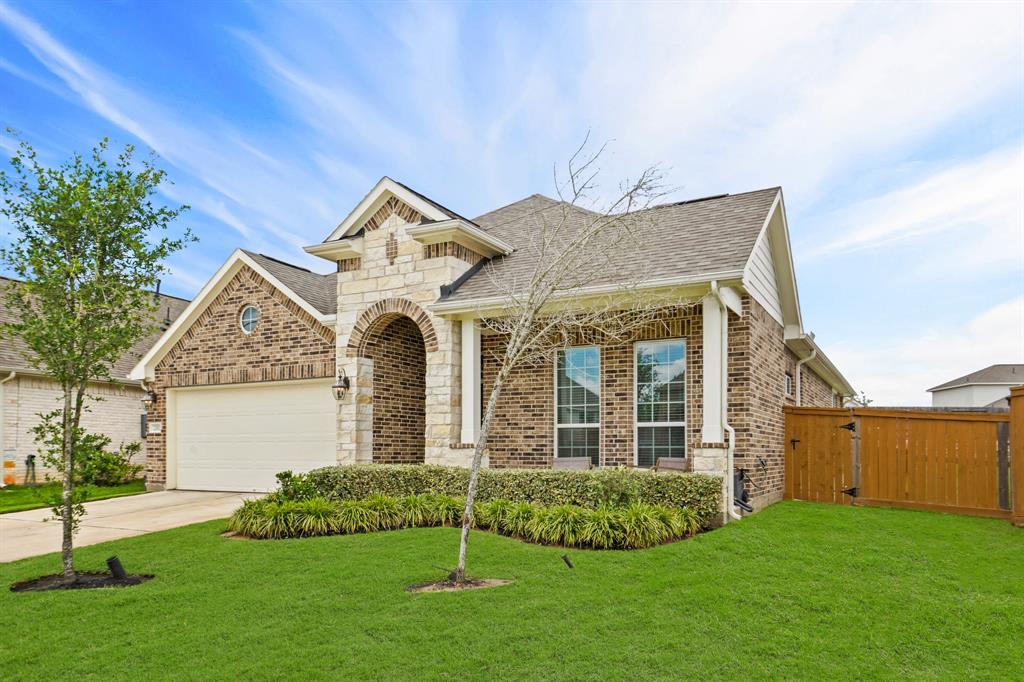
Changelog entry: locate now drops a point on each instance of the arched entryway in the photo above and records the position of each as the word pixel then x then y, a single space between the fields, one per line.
pixel 396 346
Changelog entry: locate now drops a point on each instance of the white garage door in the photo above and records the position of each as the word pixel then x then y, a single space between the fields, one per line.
pixel 239 438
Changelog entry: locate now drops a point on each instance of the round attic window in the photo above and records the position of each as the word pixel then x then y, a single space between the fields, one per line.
pixel 250 316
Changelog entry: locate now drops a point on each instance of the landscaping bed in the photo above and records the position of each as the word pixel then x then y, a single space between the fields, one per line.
pixel 16 498
pixel 635 525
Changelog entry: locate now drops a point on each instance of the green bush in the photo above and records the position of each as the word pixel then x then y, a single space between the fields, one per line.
pixel 545 487
pixel 635 526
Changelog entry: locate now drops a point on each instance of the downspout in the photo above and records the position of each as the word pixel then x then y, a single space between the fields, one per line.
pixel 799 382
pixel 730 452
pixel 3 418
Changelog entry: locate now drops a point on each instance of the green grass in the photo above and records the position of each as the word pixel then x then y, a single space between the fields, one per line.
pixel 798 591
pixel 20 498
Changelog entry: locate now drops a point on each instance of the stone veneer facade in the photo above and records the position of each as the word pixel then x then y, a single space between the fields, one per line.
pixel 287 344
pixel 398 278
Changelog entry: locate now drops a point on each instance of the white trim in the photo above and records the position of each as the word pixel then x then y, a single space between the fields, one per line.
pixel 337 250
pixel 470 382
pixel 497 302
pixel 600 404
pixel 462 232
pixel 980 383
pixel 144 368
pixel 636 402
pixel 375 198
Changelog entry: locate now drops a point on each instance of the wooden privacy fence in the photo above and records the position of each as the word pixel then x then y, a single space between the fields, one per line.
pixel 962 462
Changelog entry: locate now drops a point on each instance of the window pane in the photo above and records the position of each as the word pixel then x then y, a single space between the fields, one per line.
pixel 660 399
pixel 579 442
pixel 659 441
pixel 578 392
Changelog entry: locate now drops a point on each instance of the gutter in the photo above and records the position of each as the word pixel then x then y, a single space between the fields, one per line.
pixel 799 367
pixel 730 453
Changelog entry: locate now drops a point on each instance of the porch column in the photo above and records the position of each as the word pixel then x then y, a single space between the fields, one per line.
pixel 714 376
pixel 470 381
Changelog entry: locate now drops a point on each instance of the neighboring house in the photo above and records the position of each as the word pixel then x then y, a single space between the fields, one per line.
pixel 989 387
pixel 25 393
pixel 243 379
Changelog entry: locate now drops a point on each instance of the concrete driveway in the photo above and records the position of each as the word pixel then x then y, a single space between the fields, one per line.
pixel 27 533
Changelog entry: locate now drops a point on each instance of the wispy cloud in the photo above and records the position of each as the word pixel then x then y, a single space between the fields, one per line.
pixel 977 197
pixel 898 369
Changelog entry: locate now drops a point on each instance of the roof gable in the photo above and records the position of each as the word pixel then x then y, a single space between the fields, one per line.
pixel 269 269
pixel 388 196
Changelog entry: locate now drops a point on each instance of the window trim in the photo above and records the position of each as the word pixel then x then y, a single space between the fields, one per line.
pixel 600 403
pixel 636 403
pixel 789 384
pixel 241 318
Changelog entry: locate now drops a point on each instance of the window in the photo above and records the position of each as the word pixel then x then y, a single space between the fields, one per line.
pixel 789 384
pixel 578 403
pixel 250 316
pixel 660 400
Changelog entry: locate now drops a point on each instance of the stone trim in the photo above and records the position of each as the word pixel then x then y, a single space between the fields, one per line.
pixel 382 313
pixel 454 249
pixel 392 205
pixel 350 264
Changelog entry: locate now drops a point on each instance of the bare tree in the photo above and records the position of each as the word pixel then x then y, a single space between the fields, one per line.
pixel 574 289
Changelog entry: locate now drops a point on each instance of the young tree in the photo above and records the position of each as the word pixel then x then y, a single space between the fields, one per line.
pixel 89 245
pixel 551 305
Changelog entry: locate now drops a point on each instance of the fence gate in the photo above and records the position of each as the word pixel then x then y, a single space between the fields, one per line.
pixel 944 461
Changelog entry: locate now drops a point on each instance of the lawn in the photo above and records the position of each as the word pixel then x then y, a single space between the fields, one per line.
pixel 798 591
pixel 15 498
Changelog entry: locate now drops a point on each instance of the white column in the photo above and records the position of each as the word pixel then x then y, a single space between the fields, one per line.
pixel 470 381
pixel 713 380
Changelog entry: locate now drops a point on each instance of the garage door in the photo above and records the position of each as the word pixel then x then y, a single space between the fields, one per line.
pixel 240 437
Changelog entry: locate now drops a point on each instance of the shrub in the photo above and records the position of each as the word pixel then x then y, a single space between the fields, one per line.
pixel 635 526
pixel 291 486
pixel 415 510
pixel 545 487
pixel 602 528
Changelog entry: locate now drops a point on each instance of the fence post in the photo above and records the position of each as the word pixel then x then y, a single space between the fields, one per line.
pixel 1017 452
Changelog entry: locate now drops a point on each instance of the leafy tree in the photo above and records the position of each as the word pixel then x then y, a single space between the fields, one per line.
pixel 89 245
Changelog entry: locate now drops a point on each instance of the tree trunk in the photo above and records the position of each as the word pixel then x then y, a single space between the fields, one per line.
pixel 67 519
pixel 459 576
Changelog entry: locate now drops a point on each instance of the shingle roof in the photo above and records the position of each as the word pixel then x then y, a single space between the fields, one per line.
pixel 320 291
pixel 694 238
pixel 994 374
pixel 12 351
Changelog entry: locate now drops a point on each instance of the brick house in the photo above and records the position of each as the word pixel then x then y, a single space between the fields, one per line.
pixel 243 378
pixel 25 393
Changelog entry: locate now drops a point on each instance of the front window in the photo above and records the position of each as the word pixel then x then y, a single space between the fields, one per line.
pixel 660 400
pixel 578 403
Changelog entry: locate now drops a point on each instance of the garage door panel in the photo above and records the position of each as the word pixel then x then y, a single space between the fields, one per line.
pixel 239 438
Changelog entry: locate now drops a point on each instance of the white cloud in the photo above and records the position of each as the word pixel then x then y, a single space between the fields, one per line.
pixel 980 200
pixel 899 370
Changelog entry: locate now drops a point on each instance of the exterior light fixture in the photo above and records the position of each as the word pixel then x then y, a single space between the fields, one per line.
pixel 148 399
pixel 341 386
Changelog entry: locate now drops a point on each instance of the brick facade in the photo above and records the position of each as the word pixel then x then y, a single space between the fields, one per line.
pixel 399 373
pixel 523 431
pixel 814 391
pixel 287 344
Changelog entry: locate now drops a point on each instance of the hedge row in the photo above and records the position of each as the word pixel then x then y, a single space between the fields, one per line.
pixel 634 526
pixel 545 487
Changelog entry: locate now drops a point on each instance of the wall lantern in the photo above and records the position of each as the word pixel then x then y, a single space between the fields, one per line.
pixel 341 386
pixel 148 399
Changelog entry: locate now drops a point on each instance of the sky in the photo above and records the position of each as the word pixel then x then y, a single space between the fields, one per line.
pixel 895 130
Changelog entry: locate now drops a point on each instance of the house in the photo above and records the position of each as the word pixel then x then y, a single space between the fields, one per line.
pixel 243 379
pixel 989 387
pixel 26 392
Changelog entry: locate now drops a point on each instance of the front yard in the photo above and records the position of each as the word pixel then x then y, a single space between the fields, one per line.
pixel 797 591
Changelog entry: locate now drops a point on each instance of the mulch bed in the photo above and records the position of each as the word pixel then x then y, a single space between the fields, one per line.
pixel 83 581
pixel 450 586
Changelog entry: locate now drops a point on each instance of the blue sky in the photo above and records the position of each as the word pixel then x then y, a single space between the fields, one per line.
pixel 895 130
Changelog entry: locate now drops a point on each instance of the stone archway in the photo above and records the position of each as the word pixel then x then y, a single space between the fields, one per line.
pixel 397 348
pixel 379 315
